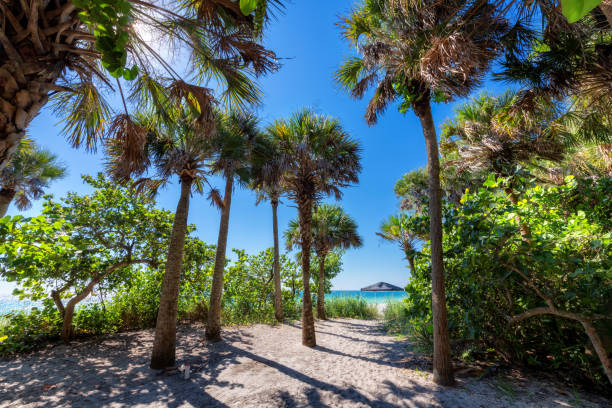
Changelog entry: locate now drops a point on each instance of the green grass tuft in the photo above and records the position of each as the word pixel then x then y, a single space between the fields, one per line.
pixel 353 307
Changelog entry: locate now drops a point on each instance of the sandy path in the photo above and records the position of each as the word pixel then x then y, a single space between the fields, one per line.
pixel 354 365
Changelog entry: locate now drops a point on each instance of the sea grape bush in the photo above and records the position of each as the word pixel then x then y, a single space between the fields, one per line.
pixel 80 243
pixel 526 297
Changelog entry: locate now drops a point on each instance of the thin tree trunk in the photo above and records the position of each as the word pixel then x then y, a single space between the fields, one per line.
pixel 442 365
pixel 587 324
pixel 305 219
pixel 66 333
pixel 6 197
pixel 278 295
pixel 55 295
pixel 213 326
pixel 321 289
pixel 164 345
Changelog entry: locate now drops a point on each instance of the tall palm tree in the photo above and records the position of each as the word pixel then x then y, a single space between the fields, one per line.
pixel 318 159
pixel 179 146
pixel 236 145
pixel 396 229
pixel 268 184
pixel 28 174
pixel 75 49
pixel 419 52
pixel 332 228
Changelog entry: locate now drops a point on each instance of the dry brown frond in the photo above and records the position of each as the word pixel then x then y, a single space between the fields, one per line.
pixel 384 95
pixel 198 98
pixel 215 198
pixel 126 142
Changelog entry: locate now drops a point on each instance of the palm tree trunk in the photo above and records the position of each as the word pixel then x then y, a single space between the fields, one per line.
pixel 278 295
pixel 213 326
pixel 411 262
pixel 6 197
pixel 164 345
pixel 321 289
pixel 442 365
pixel 606 8
pixel 35 49
pixel 305 218
pixel 28 98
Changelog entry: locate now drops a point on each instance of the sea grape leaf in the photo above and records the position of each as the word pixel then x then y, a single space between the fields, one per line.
pixel 248 6
pixel 574 10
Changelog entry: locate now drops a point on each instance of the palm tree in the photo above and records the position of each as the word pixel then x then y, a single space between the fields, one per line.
pixel 75 49
pixel 396 229
pixel 318 159
pixel 178 147
pixel 28 174
pixel 236 145
pixel 419 52
pixel 332 228
pixel 268 184
pixel 488 136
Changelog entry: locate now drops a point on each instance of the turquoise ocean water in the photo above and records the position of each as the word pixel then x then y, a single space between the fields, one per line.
pixel 10 304
pixel 371 297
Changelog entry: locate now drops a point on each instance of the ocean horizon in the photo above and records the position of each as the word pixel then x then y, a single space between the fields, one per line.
pixel 10 304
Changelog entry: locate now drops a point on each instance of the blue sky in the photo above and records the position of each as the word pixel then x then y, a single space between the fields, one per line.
pixel 307 37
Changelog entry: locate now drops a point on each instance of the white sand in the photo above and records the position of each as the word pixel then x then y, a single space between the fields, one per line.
pixel 354 365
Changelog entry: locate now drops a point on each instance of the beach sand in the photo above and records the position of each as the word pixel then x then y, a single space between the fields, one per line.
pixel 354 365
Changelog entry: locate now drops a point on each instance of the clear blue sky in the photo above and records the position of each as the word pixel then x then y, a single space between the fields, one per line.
pixel 307 36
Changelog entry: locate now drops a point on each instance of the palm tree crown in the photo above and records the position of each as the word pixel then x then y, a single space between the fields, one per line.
pixel 331 228
pixel 416 51
pixel 317 155
pixel 30 171
pixel 74 51
pixel 487 136
pixel 396 229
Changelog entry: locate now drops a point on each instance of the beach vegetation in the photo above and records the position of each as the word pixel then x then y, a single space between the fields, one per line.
pixel 351 307
pixel 544 301
pixel 80 243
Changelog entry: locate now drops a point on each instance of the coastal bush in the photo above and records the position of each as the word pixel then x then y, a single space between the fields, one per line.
pixel 82 242
pixel 399 321
pixel 133 304
pixel 528 297
pixel 351 307
pixel 27 330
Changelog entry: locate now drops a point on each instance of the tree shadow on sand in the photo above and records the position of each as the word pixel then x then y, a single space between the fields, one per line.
pixel 115 371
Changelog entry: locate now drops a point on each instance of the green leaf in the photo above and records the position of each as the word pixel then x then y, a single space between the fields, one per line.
pixel 491 181
pixel 574 10
pixel 248 6
pixel 130 74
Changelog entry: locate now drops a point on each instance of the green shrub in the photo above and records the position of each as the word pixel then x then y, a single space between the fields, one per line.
pixel 398 321
pixel 353 307
pixel 26 331
pixel 493 273
pixel 94 319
